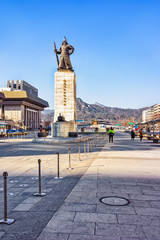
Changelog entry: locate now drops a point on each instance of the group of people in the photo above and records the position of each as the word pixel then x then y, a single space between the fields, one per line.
pixel 140 134
pixel 111 134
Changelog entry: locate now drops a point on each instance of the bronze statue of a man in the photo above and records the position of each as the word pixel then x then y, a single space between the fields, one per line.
pixel 65 50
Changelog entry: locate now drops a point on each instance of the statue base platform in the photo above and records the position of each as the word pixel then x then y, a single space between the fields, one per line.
pixel 62 129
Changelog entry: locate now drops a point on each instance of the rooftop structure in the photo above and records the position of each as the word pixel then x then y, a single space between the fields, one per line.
pixel 22 86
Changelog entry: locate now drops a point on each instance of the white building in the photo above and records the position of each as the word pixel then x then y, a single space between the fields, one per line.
pixel 152 113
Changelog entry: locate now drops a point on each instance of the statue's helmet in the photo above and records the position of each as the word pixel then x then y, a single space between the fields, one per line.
pixel 64 40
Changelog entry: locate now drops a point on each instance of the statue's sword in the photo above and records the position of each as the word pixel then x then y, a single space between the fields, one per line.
pixel 56 53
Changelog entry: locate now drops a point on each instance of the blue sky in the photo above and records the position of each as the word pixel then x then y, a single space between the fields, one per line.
pixel 117 48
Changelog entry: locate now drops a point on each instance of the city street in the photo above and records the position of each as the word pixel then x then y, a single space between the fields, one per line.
pixel 71 209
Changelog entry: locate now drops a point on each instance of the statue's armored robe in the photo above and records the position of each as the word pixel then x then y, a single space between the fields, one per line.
pixel 64 62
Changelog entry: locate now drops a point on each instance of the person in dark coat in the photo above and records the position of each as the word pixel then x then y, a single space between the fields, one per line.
pixel 141 134
pixel 132 134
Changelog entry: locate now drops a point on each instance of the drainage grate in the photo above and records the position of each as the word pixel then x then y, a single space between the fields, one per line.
pixel 114 201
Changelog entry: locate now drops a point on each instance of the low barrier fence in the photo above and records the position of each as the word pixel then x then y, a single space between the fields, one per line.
pixel 88 143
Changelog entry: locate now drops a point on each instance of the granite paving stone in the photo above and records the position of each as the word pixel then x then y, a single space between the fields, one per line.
pixel 89 200
pixel 127 191
pixel 138 203
pixel 79 207
pixel 145 197
pixel 53 236
pixel 147 211
pixel 18 236
pixel 137 238
pixel 73 198
pixel 156 187
pixel 138 220
pixel 48 204
pixel 141 187
pixel 64 216
pixel 95 217
pixel 155 204
pixel 152 232
pixel 115 230
pixel 23 207
pixel 31 189
pixel 131 184
pixel 150 192
pixel 70 227
pixel 114 209
pixel 1 234
pixel 32 200
pixel 108 193
pixel 91 237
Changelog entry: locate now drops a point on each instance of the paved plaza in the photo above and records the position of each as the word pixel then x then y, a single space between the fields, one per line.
pixel 71 210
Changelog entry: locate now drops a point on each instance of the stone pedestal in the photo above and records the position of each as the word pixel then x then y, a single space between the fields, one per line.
pixel 65 103
pixel 61 129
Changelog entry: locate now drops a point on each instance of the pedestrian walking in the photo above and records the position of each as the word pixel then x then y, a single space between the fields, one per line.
pixel 111 134
pixel 141 134
pixel 148 130
pixel 132 134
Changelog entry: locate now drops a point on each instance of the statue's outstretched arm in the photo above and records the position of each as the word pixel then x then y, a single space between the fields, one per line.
pixel 71 49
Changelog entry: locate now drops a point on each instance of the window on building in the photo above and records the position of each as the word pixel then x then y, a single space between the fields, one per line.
pixel 10 85
pixel 14 85
pixel 19 86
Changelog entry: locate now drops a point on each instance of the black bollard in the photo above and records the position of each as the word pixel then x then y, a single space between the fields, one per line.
pixel 69 151
pixel 6 220
pixel 58 174
pixel 80 152
pixel 98 141
pixel 84 147
pixel 40 194
pixel 88 145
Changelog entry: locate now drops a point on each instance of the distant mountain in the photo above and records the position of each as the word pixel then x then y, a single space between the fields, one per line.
pixel 99 104
pixel 98 111
pixel 89 112
pixel 47 115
